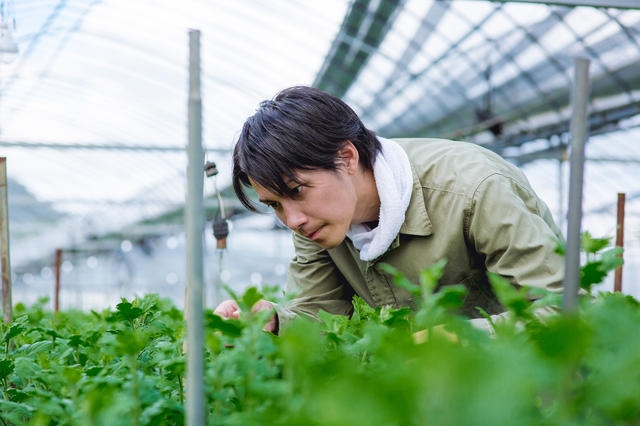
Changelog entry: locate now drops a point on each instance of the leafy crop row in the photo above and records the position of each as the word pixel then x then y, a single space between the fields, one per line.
pixel 127 367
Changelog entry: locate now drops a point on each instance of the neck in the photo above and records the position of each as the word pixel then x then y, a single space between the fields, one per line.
pixel 368 205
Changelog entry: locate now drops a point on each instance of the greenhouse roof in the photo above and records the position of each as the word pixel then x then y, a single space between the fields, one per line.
pixel 93 114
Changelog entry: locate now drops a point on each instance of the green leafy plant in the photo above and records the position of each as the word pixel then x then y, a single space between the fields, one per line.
pixel 127 367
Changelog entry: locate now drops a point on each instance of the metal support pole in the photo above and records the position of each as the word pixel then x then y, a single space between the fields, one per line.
pixel 57 266
pixel 560 198
pixel 617 283
pixel 194 219
pixel 579 134
pixel 7 313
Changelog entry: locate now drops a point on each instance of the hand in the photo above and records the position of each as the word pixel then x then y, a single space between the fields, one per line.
pixel 230 309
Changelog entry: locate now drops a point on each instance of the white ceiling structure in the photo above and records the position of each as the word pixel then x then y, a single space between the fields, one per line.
pixel 93 111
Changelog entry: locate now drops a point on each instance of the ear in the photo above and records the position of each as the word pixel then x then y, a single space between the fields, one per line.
pixel 349 157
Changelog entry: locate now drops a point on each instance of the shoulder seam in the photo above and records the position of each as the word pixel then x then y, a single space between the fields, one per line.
pixel 445 190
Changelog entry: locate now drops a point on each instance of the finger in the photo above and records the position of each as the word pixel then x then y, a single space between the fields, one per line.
pixel 271 325
pixel 223 311
pixel 226 308
pixel 262 305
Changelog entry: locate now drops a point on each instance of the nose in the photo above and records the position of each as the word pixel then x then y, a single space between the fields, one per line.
pixel 294 218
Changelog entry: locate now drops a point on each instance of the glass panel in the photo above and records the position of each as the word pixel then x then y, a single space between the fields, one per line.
pixel 497 25
pixel 558 38
pixel 583 20
pixel 453 27
pixel 604 32
pixel 526 14
pixel 531 56
pixel 629 18
pixel 473 11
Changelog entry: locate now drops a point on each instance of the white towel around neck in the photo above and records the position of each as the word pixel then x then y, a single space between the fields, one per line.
pixel 394 180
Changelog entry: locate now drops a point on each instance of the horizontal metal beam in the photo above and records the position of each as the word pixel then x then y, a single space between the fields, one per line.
pixel 617 4
pixel 559 152
pixel 113 147
pixel 25 201
pixel 600 122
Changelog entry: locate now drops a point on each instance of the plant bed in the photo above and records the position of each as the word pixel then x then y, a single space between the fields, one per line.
pixel 126 367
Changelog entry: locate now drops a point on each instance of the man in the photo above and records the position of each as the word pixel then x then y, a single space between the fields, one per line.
pixel 355 200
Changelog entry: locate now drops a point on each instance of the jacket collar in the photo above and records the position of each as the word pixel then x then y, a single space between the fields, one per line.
pixel 416 220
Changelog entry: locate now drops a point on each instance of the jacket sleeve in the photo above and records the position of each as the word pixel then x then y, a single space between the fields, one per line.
pixel 513 230
pixel 315 283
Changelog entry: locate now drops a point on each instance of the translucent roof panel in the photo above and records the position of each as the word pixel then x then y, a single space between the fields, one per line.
pixel 93 110
pixel 472 66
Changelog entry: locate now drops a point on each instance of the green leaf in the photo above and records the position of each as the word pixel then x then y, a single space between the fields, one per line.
pixel 174 367
pixel 361 310
pixel 591 274
pixel 331 322
pixel 611 259
pixel 593 245
pixel 163 411
pixel 17 395
pixel 485 315
pixel 18 326
pixel 22 409
pixel 251 297
pixel 54 335
pixel 230 327
pixel 565 338
pixel 429 277
pixel 27 368
pixel 513 300
pixel 6 369
pixel 397 317
pixel 130 343
pixel 93 371
pixel 400 280
pixel 127 313
pixel 76 341
pixel 149 302
pixel 72 374
pixel 451 296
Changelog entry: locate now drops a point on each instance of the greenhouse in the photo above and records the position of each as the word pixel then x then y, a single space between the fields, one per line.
pixel 117 246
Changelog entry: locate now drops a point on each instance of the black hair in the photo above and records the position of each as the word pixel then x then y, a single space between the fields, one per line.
pixel 301 128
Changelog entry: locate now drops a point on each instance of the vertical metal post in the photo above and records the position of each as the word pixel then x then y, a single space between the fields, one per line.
pixel 194 219
pixel 617 282
pixel 579 132
pixel 560 197
pixel 57 266
pixel 7 313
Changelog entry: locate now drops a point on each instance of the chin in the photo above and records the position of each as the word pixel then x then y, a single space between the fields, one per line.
pixel 331 244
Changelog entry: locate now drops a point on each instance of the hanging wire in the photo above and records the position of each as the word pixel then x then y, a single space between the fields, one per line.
pixel 220 202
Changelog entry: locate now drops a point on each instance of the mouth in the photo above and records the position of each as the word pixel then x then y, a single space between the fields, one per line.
pixel 315 234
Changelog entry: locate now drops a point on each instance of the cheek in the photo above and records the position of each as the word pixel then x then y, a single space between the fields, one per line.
pixel 280 215
pixel 339 206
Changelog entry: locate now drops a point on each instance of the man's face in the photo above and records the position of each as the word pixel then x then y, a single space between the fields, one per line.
pixel 321 208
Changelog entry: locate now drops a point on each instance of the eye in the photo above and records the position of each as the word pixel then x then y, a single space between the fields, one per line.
pixel 274 206
pixel 296 190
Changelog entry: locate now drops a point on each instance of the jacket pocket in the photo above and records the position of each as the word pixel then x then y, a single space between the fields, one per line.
pixel 479 295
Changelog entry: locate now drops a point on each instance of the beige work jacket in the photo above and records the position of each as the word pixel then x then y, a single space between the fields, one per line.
pixel 468 205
